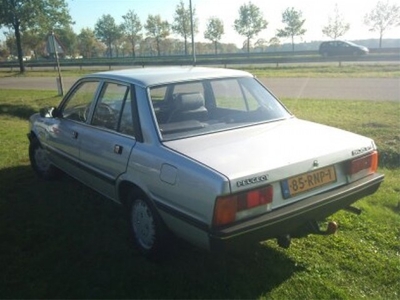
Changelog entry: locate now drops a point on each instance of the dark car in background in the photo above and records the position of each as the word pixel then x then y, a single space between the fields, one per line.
pixel 332 48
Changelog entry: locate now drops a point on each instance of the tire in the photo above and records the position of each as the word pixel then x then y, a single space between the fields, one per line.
pixel 40 161
pixel 147 229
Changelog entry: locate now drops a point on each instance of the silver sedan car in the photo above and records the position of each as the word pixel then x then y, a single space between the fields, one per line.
pixel 207 154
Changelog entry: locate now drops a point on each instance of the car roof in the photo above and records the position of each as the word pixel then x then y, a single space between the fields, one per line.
pixel 163 75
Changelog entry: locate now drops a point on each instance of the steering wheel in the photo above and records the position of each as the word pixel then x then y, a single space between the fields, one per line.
pixel 103 109
pixel 83 115
pixel 104 115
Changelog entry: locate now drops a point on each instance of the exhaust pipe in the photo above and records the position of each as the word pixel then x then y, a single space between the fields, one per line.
pixel 353 210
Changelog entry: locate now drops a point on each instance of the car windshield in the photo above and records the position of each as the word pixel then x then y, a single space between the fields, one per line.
pixel 207 106
pixel 352 44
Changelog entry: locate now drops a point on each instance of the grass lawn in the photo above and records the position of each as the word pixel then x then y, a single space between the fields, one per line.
pixel 60 239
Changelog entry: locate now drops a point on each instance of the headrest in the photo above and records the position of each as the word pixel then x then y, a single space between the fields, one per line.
pixel 189 101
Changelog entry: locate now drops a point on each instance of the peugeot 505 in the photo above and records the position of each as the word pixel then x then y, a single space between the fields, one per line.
pixel 207 154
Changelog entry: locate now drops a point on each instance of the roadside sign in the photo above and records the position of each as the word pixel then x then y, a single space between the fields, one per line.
pixel 53 45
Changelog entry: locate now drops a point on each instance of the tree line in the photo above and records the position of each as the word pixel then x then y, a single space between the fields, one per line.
pixel 29 22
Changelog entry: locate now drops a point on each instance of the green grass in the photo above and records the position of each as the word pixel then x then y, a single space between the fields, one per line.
pixel 60 239
pixel 331 70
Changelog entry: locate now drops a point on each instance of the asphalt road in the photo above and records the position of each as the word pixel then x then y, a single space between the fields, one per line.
pixel 373 89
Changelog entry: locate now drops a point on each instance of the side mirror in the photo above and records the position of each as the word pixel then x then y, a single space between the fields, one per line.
pixel 48 112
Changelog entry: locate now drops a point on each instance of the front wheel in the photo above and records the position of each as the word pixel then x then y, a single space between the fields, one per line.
pixel 148 231
pixel 40 161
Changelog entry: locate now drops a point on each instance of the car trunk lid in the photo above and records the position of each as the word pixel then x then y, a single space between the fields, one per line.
pixel 256 155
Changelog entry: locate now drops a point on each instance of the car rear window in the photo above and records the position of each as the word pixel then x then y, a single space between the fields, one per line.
pixel 204 107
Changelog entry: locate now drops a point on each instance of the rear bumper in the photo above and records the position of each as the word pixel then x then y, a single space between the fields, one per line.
pixel 291 218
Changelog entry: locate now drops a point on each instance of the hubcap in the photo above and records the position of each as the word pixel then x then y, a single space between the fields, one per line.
pixel 41 159
pixel 143 224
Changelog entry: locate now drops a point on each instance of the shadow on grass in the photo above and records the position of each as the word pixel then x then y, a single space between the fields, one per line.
pixel 19 111
pixel 60 239
pixel 389 157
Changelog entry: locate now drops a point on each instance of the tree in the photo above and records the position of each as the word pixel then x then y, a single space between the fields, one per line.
pixel 11 44
pixel 4 53
pixel 147 46
pixel 294 24
pixel 131 28
pixel 87 42
pixel 262 44
pixel 214 31
pixel 23 15
pixel 383 17
pixel 336 27
pixel 107 31
pixel 250 22
pixel 34 41
pixel 157 29
pixel 182 24
pixel 275 43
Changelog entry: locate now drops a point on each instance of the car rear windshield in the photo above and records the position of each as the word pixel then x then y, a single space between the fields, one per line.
pixel 203 107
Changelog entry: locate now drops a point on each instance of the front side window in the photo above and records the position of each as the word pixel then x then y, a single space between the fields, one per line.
pixel 77 106
pixel 207 106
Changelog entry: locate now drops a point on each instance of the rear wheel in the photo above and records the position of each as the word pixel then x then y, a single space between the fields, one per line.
pixel 40 161
pixel 147 229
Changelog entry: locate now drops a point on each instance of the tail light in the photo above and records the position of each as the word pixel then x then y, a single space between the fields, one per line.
pixel 363 166
pixel 368 162
pixel 229 209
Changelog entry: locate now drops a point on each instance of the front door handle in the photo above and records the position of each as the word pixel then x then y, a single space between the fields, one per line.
pixel 74 135
pixel 118 149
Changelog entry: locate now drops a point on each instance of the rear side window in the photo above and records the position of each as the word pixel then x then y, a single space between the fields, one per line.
pixel 231 94
pixel 113 109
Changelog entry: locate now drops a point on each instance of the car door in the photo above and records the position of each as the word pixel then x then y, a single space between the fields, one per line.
pixel 64 138
pixel 107 143
pixel 343 48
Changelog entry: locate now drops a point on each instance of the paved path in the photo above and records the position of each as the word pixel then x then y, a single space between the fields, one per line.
pixel 373 89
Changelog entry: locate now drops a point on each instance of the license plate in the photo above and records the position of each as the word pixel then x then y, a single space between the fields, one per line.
pixel 307 181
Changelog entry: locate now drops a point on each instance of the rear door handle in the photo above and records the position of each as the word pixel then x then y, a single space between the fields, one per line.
pixel 74 135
